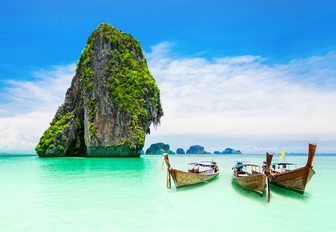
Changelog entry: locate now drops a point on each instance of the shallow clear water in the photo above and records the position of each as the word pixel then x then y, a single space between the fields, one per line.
pixel 115 194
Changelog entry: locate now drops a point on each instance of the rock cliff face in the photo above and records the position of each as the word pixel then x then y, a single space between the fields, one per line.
pixel 196 149
pixel 180 151
pixel 231 151
pixel 111 103
pixel 159 149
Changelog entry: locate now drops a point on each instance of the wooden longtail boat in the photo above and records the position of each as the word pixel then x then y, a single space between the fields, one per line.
pixel 250 176
pixel 192 176
pixel 295 179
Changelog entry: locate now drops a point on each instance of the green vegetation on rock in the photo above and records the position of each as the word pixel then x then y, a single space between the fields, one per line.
pixel 47 140
pixel 130 80
pixel 113 97
pixel 196 149
pixel 159 149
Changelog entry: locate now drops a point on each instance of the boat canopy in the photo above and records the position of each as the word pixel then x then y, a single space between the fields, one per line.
pixel 204 164
pixel 239 165
pixel 282 163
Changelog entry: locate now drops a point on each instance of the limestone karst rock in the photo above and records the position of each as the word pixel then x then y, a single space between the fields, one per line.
pixel 111 103
pixel 196 149
pixel 159 149
pixel 231 151
pixel 180 151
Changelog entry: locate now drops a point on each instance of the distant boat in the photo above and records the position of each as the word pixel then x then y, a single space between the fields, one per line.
pixel 252 176
pixel 297 178
pixel 200 172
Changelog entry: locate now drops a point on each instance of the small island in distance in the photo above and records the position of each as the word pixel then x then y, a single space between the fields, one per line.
pixel 228 151
pixel 160 148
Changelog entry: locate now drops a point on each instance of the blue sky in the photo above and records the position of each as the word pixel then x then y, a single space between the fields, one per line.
pixel 37 34
pixel 287 41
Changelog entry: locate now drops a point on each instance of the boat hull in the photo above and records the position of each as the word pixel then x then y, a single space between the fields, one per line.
pixel 255 183
pixel 182 178
pixel 295 180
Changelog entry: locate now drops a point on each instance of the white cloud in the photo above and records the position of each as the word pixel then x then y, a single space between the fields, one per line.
pixel 20 133
pixel 243 101
pixel 245 98
pixel 28 107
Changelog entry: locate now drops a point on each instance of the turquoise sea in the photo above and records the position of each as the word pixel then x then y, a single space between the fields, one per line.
pixel 113 194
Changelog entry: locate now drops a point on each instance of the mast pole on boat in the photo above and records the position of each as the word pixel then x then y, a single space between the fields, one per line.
pixel 267 173
pixel 311 154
